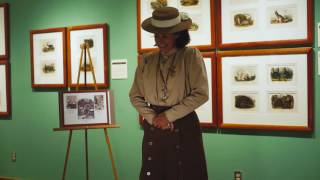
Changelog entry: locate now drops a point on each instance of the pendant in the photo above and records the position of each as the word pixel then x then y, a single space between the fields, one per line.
pixel 164 96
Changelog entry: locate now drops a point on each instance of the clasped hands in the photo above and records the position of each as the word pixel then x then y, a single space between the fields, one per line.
pixel 161 121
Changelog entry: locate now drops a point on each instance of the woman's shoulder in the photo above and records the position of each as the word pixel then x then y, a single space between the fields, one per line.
pixel 147 58
pixel 191 53
pixel 149 55
pixel 190 50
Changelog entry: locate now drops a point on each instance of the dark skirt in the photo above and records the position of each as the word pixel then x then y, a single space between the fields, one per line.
pixel 173 155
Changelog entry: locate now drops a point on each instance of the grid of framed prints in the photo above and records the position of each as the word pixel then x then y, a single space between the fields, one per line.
pixel 266 89
pixel 4 31
pixel 255 88
pixel 48 58
pixel 52 68
pixel 86 108
pixel 258 23
pixel 202 32
pixel 5 105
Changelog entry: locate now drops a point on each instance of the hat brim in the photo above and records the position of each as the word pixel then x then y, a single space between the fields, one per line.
pixel 183 25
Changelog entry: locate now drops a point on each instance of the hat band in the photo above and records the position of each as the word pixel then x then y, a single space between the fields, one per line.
pixel 165 23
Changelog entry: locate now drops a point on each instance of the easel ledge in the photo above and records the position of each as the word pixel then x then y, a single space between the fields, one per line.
pixel 86 127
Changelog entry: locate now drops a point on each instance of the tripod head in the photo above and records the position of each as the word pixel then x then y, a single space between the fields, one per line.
pixel 88 43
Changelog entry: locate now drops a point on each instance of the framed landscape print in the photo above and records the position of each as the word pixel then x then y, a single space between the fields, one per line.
pixel 207 113
pixel 266 89
pixel 202 31
pixel 5 105
pixel 4 31
pixel 48 58
pixel 85 108
pixel 96 38
pixel 258 23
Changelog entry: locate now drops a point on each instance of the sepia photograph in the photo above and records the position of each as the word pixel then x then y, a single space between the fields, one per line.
pixel 244 19
pixel 282 16
pixel 244 74
pixel 282 102
pixel 282 74
pixel 245 101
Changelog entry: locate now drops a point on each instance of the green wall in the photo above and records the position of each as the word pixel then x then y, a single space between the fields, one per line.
pixel 260 155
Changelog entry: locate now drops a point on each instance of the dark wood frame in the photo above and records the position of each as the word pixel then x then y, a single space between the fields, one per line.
pixel 53 30
pixel 8 89
pixel 214 120
pixel 283 51
pixel 200 47
pixel 61 109
pixel 104 27
pixel 5 56
pixel 271 43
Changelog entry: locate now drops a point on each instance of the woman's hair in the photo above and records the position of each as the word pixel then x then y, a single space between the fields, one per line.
pixel 183 38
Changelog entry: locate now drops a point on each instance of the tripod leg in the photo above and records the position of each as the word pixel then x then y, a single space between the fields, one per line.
pixel 78 78
pixel 67 156
pixel 115 173
pixel 87 159
pixel 93 73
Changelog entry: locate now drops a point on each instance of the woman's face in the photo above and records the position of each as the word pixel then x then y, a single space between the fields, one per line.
pixel 165 41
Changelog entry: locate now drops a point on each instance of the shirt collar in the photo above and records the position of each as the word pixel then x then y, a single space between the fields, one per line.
pixel 169 54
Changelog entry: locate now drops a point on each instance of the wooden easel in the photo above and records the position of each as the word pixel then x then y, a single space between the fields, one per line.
pixel 85 49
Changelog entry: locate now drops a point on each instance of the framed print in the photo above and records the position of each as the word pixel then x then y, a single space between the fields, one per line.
pixel 4 31
pixel 207 112
pixel 96 38
pixel 266 89
pixel 86 108
pixel 202 31
pixel 5 104
pixel 260 23
pixel 48 58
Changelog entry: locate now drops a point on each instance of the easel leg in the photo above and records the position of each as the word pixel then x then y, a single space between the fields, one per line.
pixel 87 159
pixel 67 156
pixel 115 173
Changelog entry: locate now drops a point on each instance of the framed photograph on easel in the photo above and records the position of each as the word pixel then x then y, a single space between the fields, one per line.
pixel 266 89
pixel 86 108
pixel 260 23
pixel 48 58
pixel 5 100
pixel 4 31
pixel 202 32
pixel 96 38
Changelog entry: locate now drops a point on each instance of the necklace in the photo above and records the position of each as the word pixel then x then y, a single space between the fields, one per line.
pixel 164 87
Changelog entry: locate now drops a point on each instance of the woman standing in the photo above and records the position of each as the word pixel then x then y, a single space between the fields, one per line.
pixel 169 85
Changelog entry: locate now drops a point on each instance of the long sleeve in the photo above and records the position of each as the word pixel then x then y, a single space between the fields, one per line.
pixel 197 87
pixel 137 96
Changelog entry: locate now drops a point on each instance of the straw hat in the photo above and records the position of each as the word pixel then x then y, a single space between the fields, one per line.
pixel 166 20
